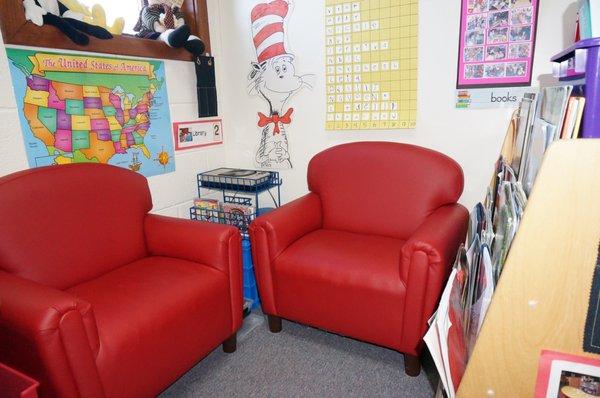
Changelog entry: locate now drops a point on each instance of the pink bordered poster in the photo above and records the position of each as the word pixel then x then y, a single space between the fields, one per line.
pixel 497 42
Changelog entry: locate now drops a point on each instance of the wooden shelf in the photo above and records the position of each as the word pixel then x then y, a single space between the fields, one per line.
pixel 118 45
pixel 542 297
pixel 16 30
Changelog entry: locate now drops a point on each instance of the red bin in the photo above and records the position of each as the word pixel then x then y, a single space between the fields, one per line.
pixel 14 384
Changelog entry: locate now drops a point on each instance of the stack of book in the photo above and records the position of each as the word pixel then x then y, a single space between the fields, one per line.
pixel 236 214
pixel 557 114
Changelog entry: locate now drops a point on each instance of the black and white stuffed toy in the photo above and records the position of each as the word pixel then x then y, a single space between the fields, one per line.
pixel 163 20
pixel 53 12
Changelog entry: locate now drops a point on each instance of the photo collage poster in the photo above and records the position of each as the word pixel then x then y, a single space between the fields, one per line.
pixel 497 42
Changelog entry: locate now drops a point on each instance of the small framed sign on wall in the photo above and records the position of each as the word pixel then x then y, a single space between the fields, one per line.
pixel 196 134
pixel 497 43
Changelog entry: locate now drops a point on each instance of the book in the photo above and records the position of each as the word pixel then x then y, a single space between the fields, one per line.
pixel 208 209
pixel 577 128
pixel 589 19
pixel 554 106
pixel 524 124
pixel 570 118
pixel 211 204
pixel 238 215
pixel 237 209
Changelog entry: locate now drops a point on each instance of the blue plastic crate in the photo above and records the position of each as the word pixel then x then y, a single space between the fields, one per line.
pixel 250 291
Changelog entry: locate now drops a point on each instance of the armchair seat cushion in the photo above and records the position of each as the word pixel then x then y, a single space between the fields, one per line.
pixel 344 282
pixel 156 317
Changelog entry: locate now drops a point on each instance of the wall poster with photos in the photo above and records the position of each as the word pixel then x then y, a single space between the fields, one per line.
pixel 497 42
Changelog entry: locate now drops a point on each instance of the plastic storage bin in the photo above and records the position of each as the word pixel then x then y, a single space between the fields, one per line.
pixel 250 291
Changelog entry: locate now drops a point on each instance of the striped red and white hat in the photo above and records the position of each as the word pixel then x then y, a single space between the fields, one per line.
pixel 267 29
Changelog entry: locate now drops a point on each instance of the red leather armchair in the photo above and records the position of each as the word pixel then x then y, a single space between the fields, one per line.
pixel 366 253
pixel 100 298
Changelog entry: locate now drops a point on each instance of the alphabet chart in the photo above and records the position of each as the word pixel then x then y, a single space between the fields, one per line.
pixel 371 64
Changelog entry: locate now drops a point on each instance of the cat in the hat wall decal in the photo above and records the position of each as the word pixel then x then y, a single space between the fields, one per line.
pixel 273 78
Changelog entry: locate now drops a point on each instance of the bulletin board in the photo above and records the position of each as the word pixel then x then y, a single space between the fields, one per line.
pixel 497 43
pixel 371 64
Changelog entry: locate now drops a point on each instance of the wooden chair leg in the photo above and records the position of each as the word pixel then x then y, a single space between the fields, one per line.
pixel 274 323
pixel 412 365
pixel 230 345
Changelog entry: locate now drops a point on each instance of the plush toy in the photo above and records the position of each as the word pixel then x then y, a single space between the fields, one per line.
pixel 97 16
pixel 164 20
pixel 51 12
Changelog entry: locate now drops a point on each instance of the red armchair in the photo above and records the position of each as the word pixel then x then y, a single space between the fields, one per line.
pixel 366 253
pixel 100 298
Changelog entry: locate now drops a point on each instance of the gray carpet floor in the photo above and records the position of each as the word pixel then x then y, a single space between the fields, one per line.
pixel 301 362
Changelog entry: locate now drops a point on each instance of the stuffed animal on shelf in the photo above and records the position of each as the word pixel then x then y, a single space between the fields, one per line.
pixel 51 12
pixel 164 20
pixel 95 16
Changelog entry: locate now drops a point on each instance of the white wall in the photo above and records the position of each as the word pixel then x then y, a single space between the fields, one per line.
pixel 471 137
pixel 171 193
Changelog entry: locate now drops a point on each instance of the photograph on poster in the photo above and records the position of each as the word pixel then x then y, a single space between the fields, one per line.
pixel 494 70
pixel 520 33
pixel 497 42
pixel 495 53
pixel 476 6
pixel 521 16
pixel 498 35
pixel 517 51
pixel 474 71
pixel 475 38
pixel 473 54
pixel 498 5
pixel 476 22
pixel 498 19
pixel 516 69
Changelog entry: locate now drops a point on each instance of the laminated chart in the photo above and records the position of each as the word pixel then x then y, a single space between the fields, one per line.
pixel 371 64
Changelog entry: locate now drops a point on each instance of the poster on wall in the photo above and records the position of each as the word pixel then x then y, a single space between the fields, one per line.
pixel 497 43
pixel 495 97
pixel 197 134
pixel 371 64
pixel 75 108
pixel 274 79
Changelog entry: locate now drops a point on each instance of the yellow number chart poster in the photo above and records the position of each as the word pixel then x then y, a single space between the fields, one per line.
pixel 371 64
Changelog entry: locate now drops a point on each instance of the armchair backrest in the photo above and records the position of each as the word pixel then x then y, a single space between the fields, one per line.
pixel 62 225
pixel 382 188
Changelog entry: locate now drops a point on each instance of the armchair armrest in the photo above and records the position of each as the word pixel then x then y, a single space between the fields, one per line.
pixel 272 233
pixel 427 258
pixel 199 241
pixel 215 245
pixel 53 329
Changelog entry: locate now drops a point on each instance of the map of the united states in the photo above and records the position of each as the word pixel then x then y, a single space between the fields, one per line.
pixel 77 108
pixel 94 120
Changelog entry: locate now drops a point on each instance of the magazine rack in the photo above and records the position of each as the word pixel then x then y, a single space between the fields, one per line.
pixel 580 65
pixel 242 191
pixel 231 188
pixel 541 299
